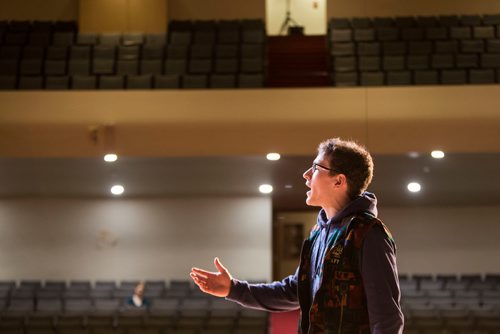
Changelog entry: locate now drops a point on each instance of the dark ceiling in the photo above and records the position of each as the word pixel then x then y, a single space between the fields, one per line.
pixel 458 179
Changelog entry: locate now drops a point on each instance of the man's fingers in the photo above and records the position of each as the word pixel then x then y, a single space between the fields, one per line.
pixel 201 272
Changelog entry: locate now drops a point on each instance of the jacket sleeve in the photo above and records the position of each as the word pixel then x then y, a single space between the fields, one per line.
pixel 380 278
pixel 277 296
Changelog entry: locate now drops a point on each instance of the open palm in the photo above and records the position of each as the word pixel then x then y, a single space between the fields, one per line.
pixel 214 283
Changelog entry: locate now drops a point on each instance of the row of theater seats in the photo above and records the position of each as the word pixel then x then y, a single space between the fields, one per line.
pixel 167 81
pixel 131 324
pixel 451 304
pixel 171 59
pixel 178 307
pixel 197 54
pixel 415 50
pixel 44 33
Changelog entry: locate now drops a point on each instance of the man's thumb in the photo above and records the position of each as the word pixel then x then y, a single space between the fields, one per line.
pixel 219 266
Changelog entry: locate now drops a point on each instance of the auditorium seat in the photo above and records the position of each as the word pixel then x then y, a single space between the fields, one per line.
pixel 372 78
pixel 367 49
pixel 194 81
pixel 139 81
pixel 175 66
pixel 417 62
pixel 226 65
pixel 405 21
pixel 248 80
pixel 426 77
pixel 345 79
pixel 87 39
pixel 157 39
pixel 385 34
pixel 412 34
pixel 200 66
pixel 21 306
pixel 49 306
pixel 396 78
pixel 448 46
pixel 453 77
pixel 493 45
pixel 340 35
pixel 393 63
pixel 129 39
pixel 480 32
pixel 63 38
pixel 177 51
pixel 151 66
pixel 420 47
pixel 361 22
pixel 54 67
pixel 30 82
pixel 78 306
pixel 222 81
pixel 39 38
pixel 83 82
pixel 152 52
pixel 472 46
pixel 180 37
pixel 167 81
pixel 57 53
pixel 111 39
pixel 490 60
pixel 7 82
pixel 364 34
pixel 394 48
pixel 127 67
pixel 369 63
pixel 343 49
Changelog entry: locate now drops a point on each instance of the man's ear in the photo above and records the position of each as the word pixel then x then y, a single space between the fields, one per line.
pixel 339 180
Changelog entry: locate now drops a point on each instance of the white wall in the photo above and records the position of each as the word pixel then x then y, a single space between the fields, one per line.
pixel 133 238
pixel 437 240
pixel 446 240
pixel 310 14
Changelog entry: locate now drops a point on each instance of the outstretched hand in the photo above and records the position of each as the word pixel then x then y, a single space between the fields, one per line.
pixel 214 283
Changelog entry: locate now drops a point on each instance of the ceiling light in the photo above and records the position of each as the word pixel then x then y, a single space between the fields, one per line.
pixel 110 157
pixel 414 187
pixel 288 186
pixel 117 189
pixel 273 156
pixel 413 155
pixel 266 188
pixel 437 154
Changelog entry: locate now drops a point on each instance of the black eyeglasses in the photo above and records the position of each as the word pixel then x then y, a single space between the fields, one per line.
pixel 315 166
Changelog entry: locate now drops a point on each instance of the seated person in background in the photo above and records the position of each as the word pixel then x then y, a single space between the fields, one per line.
pixel 137 299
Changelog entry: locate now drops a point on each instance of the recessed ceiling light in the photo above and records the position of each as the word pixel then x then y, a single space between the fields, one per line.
pixel 117 189
pixel 437 154
pixel 273 156
pixel 414 187
pixel 110 157
pixel 288 186
pixel 413 155
pixel 266 188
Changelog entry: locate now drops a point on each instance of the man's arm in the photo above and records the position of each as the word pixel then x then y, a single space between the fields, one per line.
pixel 380 278
pixel 275 297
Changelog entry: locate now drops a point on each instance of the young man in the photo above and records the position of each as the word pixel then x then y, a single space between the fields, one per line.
pixel 347 281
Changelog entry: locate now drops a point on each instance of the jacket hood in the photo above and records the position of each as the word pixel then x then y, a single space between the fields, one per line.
pixel 367 202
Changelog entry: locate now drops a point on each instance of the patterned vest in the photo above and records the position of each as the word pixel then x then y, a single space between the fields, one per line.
pixel 339 306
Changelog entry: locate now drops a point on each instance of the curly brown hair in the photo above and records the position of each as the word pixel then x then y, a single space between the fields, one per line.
pixel 351 159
